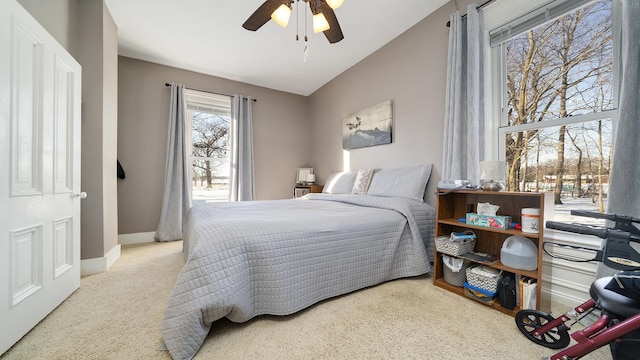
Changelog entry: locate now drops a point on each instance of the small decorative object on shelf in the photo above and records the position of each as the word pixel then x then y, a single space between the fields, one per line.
pixel 492 185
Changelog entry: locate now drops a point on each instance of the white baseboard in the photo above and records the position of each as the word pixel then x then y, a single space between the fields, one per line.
pixel 136 238
pixel 101 264
pixel 562 296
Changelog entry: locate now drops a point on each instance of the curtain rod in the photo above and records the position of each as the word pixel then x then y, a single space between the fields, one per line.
pixel 210 92
pixel 477 7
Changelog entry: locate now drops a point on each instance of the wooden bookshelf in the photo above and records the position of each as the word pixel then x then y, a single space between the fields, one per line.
pixel 454 206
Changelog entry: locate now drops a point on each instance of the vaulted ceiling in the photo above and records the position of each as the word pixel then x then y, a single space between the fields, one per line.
pixel 206 36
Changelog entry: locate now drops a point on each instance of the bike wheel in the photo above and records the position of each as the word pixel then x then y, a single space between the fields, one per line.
pixel 530 320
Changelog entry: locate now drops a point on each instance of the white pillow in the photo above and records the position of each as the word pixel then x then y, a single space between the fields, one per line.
pixel 408 182
pixel 340 183
pixel 363 179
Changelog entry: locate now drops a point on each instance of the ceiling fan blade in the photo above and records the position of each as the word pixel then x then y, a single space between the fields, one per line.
pixel 334 34
pixel 261 15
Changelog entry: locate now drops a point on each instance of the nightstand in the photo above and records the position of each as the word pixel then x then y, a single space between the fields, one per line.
pixel 301 190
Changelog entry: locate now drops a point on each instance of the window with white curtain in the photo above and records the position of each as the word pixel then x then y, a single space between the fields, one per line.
pixel 554 71
pixel 208 122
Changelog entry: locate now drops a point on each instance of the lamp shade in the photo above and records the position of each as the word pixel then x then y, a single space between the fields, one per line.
pixel 320 23
pixel 334 4
pixel 493 170
pixel 493 173
pixel 281 15
pixel 311 178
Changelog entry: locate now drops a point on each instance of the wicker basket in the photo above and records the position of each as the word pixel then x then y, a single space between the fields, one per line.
pixel 455 278
pixel 446 246
pixel 477 279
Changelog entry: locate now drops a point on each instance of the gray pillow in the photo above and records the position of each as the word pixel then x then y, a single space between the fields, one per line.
pixel 408 182
pixel 340 182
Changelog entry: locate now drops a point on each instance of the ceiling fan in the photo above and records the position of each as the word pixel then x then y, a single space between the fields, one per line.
pixel 324 19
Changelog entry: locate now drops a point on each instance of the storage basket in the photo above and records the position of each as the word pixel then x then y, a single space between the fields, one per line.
pixel 452 277
pixel 479 294
pixel 446 246
pixel 478 277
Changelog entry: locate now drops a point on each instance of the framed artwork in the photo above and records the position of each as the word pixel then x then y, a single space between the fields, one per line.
pixel 368 127
pixel 303 175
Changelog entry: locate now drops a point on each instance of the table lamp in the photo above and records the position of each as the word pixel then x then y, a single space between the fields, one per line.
pixel 311 178
pixel 493 174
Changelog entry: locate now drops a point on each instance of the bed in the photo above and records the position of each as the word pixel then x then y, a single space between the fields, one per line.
pixel 277 257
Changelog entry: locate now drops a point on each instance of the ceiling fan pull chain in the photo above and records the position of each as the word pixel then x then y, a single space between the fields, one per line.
pixel 305 52
pixel 305 25
pixel 297 19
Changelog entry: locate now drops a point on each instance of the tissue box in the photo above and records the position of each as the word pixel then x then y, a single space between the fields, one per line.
pixel 494 222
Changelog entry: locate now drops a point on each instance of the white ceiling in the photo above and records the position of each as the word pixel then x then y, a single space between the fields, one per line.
pixel 207 36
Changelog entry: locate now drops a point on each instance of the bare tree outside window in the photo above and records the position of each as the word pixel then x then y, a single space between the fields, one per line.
pixel 208 121
pixel 210 149
pixel 559 77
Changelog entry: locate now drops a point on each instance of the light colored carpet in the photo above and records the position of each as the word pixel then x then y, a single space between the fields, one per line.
pixel 117 315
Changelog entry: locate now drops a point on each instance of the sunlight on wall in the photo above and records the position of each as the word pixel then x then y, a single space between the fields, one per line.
pixel 346 160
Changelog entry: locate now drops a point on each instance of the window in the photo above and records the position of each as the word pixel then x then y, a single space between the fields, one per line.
pixel 208 122
pixel 557 105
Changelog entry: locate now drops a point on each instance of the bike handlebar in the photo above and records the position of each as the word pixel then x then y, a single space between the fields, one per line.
pixel 598 215
pixel 603 233
pixel 578 229
pixel 593 214
pixel 621 222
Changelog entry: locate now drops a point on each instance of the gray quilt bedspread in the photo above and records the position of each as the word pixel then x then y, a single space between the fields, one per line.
pixel 280 256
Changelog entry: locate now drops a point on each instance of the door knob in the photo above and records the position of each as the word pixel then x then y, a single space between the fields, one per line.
pixel 82 195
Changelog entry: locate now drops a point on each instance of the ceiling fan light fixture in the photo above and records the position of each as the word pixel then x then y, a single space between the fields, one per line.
pixel 334 4
pixel 324 18
pixel 281 15
pixel 320 23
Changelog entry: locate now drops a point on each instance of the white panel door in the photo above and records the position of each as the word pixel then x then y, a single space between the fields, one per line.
pixel 40 85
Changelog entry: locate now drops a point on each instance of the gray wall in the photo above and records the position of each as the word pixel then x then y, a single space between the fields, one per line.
pixel 411 71
pixel 281 136
pixel 98 53
pixel 86 29
pixel 59 17
pixel 109 129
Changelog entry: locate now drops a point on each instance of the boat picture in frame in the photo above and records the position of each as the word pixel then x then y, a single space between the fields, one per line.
pixel 368 127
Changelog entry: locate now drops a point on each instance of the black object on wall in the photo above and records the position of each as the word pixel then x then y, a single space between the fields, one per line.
pixel 120 170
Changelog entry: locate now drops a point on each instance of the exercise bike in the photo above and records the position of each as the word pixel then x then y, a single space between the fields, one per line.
pixel 617 298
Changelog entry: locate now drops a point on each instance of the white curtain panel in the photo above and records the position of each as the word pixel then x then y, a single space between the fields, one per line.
pixel 464 106
pixel 241 179
pixel 624 182
pixel 176 199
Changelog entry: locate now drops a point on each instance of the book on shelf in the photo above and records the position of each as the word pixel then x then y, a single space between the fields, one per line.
pixel 527 292
pixel 479 257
